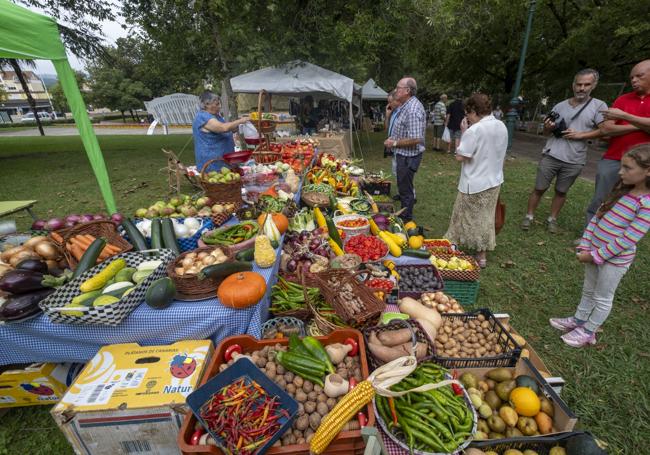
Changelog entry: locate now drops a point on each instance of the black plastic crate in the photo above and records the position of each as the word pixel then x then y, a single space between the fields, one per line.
pixel 508 357
pixel 540 444
pixel 375 188
pixel 416 294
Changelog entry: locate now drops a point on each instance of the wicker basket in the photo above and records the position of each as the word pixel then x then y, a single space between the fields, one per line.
pixel 372 305
pixel 418 335
pixel 313 199
pixel 276 324
pixel 190 286
pixel 263 156
pixel 226 192
pixel 459 275
pixel 220 218
pixel 100 228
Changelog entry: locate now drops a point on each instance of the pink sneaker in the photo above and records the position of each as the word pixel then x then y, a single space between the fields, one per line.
pixel 563 324
pixel 579 337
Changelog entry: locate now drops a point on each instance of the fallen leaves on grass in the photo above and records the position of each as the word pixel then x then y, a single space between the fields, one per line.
pixel 509 264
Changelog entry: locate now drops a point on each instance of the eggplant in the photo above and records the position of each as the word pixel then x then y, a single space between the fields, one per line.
pixel 23 305
pixel 35 265
pixel 21 281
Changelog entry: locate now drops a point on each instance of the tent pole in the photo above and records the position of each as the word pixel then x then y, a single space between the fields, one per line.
pixel 351 125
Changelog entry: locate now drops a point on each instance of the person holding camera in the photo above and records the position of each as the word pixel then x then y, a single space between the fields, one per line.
pixel 406 140
pixel 569 125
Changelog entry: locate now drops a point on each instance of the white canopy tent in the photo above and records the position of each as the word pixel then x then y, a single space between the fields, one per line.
pixel 297 77
pixel 371 91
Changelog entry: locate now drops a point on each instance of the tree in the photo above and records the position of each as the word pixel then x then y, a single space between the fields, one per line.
pixel 15 65
pixel 112 86
pixel 59 100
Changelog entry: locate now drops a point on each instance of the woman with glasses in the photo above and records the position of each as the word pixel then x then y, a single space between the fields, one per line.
pixel 482 151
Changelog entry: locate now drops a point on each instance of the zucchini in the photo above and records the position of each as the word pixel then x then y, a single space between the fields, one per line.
pixel 160 293
pixel 89 258
pixel 135 236
pixel 168 236
pixel 424 254
pixel 156 234
pixel 218 271
pixel 246 255
pixel 333 232
pixel 86 298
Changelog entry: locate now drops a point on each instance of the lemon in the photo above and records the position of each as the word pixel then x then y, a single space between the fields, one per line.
pixel 105 300
pixel 525 401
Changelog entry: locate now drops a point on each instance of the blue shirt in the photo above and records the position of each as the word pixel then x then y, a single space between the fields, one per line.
pixel 209 145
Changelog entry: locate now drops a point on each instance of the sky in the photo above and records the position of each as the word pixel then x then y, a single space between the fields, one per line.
pixel 112 31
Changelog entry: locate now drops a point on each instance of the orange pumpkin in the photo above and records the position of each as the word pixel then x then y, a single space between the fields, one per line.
pixel 281 221
pixel 242 289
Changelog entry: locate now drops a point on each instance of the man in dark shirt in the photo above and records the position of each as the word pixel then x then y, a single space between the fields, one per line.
pixel 455 115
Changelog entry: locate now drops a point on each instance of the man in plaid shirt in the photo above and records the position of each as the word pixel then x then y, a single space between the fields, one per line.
pixel 407 141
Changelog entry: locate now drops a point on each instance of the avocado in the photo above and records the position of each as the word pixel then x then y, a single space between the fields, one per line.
pixel 527 381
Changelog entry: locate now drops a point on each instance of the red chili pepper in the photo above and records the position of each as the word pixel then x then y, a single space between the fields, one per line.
pixel 362 419
pixel 393 412
pixel 355 346
pixel 458 390
pixel 196 436
pixel 352 383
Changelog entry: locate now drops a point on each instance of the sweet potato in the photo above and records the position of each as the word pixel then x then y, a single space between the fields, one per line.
pixel 395 337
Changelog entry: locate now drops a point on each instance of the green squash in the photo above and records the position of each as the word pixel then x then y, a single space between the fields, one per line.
pixel 583 444
pixel 161 293
pixel 527 381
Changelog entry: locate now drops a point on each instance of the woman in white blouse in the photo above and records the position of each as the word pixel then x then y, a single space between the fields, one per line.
pixel 482 152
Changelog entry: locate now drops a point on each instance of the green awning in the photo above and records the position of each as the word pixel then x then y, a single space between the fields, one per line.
pixel 27 35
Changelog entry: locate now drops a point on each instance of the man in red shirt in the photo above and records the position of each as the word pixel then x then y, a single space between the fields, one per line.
pixel 624 132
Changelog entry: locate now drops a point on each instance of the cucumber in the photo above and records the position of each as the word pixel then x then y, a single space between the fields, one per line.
pixel 89 258
pixel 168 236
pixel 156 234
pixel 135 236
pixel 86 298
pixel 424 254
pixel 333 232
pixel 246 255
pixel 218 271
pixel 161 293
pixel 125 274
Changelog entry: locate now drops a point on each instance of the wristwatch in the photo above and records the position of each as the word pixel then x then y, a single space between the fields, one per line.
pixel 394 143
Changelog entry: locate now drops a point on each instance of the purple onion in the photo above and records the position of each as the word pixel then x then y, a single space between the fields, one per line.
pixel 54 224
pixel 38 225
pixel 117 218
pixel 69 224
pixel 98 217
pixel 292 265
pixel 74 219
pixel 87 218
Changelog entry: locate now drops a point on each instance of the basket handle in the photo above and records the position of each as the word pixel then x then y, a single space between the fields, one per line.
pixel 207 163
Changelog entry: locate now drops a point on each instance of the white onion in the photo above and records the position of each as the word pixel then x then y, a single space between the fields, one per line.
pixel 181 231
pixel 192 224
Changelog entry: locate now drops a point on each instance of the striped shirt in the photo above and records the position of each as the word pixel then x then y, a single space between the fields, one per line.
pixel 613 237
pixel 410 123
pixel 439 113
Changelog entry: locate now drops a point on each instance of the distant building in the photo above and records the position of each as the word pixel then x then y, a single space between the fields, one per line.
pixel 16 102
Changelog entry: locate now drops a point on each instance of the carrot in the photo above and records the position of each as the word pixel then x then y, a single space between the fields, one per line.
pixel 77 242
pixel 81 240
pixel 77 252
pixel 56 237
pixel 89 237
pixel 113 249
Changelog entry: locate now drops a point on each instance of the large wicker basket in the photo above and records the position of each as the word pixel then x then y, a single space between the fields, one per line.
pixel 225 192
pixel 190 287
pixel 373 306
pixel 100 228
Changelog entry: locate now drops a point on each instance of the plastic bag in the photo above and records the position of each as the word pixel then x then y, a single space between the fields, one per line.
pixel 249 131
pixel 446 135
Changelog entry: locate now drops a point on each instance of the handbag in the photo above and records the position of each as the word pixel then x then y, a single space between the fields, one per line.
pixel 499 215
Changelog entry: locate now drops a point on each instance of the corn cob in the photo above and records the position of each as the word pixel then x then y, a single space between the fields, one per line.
pixel 344 410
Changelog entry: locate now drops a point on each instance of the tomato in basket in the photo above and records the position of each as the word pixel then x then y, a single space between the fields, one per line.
pixel 354 223
pixel 368 247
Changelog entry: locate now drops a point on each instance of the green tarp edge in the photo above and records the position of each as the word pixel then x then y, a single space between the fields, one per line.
pixel 25 34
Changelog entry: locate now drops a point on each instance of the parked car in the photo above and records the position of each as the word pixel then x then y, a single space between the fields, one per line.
pixel 29 117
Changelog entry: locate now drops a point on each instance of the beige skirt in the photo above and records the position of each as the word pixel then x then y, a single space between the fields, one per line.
pixel 472 220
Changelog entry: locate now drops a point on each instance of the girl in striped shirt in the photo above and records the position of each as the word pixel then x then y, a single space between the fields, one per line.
pixel 608 246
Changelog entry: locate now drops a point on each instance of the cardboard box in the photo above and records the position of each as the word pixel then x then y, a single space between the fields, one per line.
pixel 36 384
pixel 131 398
pixel 535 359
pixel 564 419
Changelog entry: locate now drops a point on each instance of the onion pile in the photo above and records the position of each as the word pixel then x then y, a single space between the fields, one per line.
pixel 54 224
pixel 441 302
pixel 193 263
pixel 35 248
pixel 305 250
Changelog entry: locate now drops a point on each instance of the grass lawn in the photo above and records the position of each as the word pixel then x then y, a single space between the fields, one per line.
pixel 605 384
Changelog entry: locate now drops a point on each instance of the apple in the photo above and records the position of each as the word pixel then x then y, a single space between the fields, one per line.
pixel 151 213
pixel 201 202
pixel 141 213
pixel 175 201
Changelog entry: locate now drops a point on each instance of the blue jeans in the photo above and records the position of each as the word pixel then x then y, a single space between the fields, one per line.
pixel 406 167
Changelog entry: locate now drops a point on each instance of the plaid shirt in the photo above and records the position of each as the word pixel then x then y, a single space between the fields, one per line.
pixel 410 123
pixel 439 113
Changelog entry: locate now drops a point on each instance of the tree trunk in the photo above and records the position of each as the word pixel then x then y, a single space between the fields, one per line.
pixel 30 98
pixel 137 117
pixel 123 118
pixel 132 116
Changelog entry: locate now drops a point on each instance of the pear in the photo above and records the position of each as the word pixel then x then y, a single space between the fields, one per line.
pixel 141 213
